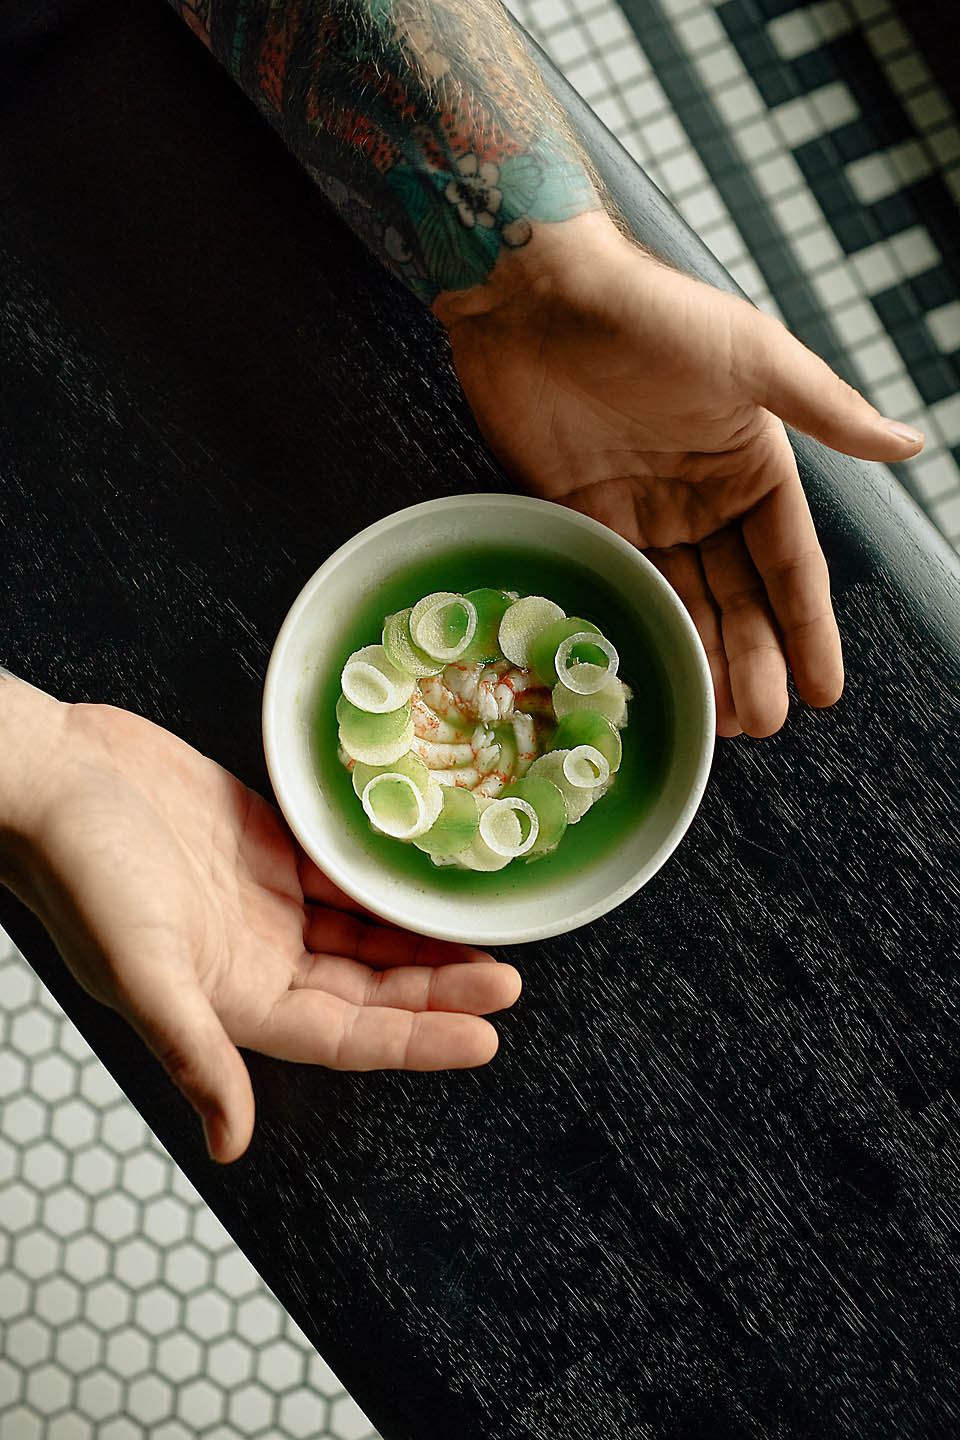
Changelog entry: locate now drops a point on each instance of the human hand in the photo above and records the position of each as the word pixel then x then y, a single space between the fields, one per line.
pixel 178 897
pixel 655 403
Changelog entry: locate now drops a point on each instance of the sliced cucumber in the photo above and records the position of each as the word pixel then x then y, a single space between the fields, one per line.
pixel 410 765
pixel 478 855
pixel 363 727
pixel 589 727
pixel 443 624
pixel 401 651
pixel 383 753
pixel 455 827
pixel 548 801
pixel 491 606
pixel 610 700
pixel 544 647
pixel 522 623
pixel 372 682
pixel 550 767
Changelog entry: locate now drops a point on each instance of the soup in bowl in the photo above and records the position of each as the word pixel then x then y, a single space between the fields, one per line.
pixel 481 545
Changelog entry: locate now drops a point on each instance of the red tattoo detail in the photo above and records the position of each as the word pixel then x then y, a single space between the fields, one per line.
pixel 274 54
pixel 471 129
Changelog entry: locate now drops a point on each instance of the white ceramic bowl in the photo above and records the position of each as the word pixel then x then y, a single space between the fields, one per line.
pixel 394 880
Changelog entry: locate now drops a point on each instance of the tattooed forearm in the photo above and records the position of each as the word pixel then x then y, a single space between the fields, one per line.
pixel 422 120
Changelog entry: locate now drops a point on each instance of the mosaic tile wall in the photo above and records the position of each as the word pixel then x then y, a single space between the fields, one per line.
pixel 817 153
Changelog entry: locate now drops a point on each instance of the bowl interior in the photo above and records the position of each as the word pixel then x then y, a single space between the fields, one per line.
pixel 534 547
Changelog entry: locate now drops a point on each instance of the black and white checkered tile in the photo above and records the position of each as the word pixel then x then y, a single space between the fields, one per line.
pixel 816 151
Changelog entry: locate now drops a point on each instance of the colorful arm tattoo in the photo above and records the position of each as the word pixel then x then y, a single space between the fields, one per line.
pixel 423 121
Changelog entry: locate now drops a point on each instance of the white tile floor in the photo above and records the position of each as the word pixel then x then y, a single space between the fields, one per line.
pixel 126 1310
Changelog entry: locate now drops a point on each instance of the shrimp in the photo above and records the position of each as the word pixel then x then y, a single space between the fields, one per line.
pixel 443 756
pixel 491 785
pixel 467 777
pixel 439 698
pixel 524 732
pixel 462 681
pixel 430 726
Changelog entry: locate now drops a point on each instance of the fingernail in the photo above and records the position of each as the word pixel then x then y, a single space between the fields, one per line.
pixel 903 432
pixel 215 1133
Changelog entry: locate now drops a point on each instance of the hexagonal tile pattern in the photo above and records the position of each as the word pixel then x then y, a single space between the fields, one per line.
pixel 107 1305
pixel 229 1362
pixel 150 1399
pixel 43 1164
pixel 250 1409
pixel 128 1352
pixel 9 1161
pixel 24 1119
pixel 70 1426
pixel 48 1389
pixel 303 1414
pixel 53 1077
pixel 57 1300
pixel 128 1311
pixel 36 1253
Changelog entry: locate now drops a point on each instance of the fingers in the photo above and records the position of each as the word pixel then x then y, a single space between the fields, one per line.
pixel 180 1027
pixel 336 933
pixel 786 378
pixel 680 567
pixel 470 989
pixel 758 670
pixel 318 1028
pixel 782 541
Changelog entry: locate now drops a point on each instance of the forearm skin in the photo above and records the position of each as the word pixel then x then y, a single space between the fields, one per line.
pixel 31 723
pixel 423 121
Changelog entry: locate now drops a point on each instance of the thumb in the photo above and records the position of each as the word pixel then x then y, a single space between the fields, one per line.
pixel 796 385
pixel 180 1026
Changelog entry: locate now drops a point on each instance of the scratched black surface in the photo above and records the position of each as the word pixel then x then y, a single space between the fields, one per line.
pixel 709 1186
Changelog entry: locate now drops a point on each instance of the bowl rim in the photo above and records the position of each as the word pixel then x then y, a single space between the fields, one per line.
pixel 341 876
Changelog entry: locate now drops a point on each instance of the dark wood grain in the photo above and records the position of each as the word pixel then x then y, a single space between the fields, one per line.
pixel 708 1187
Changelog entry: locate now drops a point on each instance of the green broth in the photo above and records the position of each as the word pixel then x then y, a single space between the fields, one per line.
pixel 646 739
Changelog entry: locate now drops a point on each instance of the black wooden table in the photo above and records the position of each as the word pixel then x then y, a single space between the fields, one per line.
pixel 708 1187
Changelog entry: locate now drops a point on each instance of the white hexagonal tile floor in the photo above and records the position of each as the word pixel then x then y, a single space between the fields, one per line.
pixel 126 1310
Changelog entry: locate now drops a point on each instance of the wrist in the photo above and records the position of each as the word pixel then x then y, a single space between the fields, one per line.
pixel 550 267
pixel 31 755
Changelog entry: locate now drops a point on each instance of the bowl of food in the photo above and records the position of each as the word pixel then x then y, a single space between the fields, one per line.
pixel 488 719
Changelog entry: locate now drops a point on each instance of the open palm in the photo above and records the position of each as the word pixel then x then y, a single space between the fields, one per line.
pixel 657 404
pixel 178 896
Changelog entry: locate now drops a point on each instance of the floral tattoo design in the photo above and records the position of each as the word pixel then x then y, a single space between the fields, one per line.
pixel 416 119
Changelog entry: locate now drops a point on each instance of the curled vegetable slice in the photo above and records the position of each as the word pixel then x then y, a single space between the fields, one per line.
pixel 585 768
pixel 372 682
pixel 503 830
pixel 586 677
pixel 401 650
pixel 443 624
pixel 398 807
